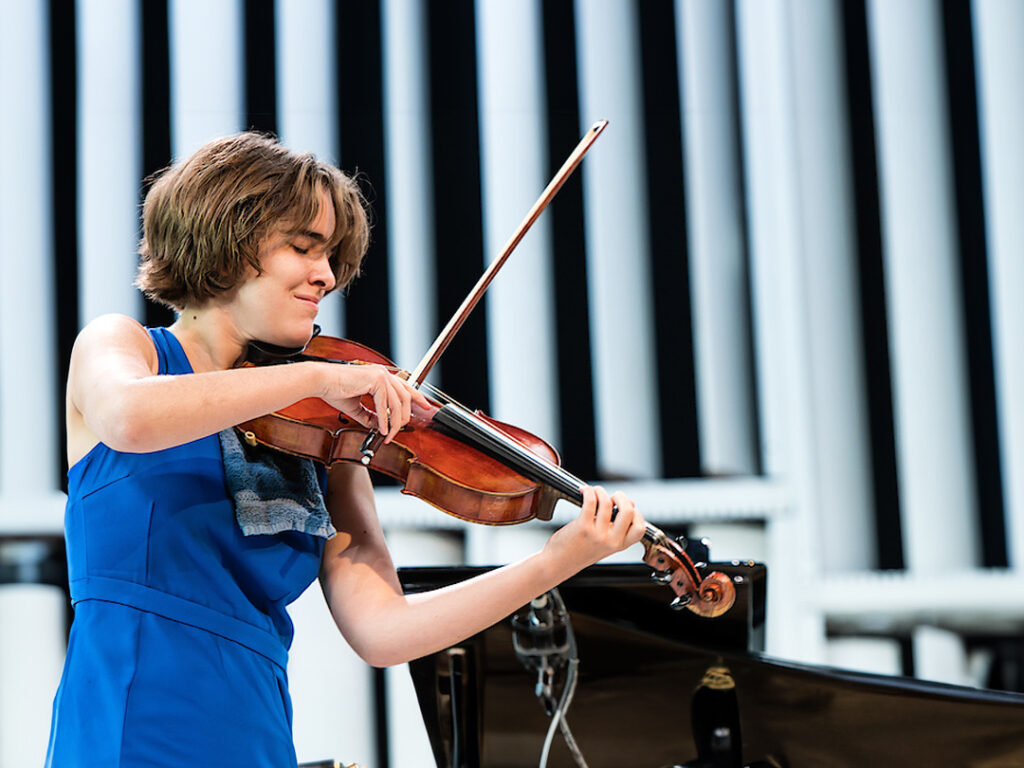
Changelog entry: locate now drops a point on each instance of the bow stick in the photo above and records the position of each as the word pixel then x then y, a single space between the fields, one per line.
pixel 448 333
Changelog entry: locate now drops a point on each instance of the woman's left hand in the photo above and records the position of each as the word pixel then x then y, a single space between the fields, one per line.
pixel 594 535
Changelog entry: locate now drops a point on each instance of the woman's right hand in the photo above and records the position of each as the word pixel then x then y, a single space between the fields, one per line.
pixel 343 387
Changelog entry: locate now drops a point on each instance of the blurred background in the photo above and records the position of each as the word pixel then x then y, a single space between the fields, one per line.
pixel 779 303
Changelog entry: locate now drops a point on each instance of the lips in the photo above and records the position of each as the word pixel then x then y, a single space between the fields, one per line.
pixel 312 300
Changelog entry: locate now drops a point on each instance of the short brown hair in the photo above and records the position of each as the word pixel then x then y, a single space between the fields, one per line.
pixel 205 217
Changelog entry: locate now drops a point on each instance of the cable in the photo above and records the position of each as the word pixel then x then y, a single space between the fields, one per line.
pixel 558 717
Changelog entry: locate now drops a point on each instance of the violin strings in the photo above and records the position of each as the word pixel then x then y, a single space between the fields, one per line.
pixel 440 396
pixel 425 386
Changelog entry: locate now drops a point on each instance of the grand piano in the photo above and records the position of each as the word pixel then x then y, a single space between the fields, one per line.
pixel 656 688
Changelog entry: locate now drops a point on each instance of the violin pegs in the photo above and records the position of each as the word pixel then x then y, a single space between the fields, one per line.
pixel 680 602
pixel 661 577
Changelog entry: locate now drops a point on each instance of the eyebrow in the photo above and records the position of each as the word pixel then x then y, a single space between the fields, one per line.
pixel 311 235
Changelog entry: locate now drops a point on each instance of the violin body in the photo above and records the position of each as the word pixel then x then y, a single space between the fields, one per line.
pixel 430 462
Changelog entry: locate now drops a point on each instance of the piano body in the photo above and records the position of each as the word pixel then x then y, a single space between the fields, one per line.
pixel 660 688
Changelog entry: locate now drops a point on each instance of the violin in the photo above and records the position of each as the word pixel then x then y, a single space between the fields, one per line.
pixel 461 461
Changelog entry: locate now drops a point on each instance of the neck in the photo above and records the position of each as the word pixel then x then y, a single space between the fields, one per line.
pixel 210 338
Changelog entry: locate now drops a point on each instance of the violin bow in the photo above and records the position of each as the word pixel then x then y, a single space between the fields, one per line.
pixel 441 343
pixel 672 565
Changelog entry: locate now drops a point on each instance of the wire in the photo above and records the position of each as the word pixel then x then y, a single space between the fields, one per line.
pixel 558 717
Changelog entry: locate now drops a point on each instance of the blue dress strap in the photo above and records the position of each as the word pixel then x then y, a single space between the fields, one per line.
pixel 169 352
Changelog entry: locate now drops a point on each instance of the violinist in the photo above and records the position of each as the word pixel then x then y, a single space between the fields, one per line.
pixel 184 545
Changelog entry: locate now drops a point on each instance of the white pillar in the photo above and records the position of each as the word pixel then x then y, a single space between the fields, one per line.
pixel 333 701
pixel 930 393
pixel 617 240
pixel 490 545
pixel 780 315
pixel 998 30
pixel 31 656
pixel 109 156
pixel 331 688
pixel 767 104
pixel 717 249
pixel 306 84
pixel 829 238
pixel 207 72
pixel 520 312
pixel 31 615
pixel 735 541
pixel 307 96
pixel 866 654
pixel 939 655
pixel 28 427
pixel 408 743
pixel 409 177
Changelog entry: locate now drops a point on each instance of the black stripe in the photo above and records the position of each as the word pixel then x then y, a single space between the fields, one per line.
pixel 156 115
pixel 872 285
pixel 156 87
pixel 963 110
pixel 64 118
pixel 380 711
pixel 361 128
pixel 457 208
pixel 906 645
pixel 260 66
pixel 575 377
pixel 673 325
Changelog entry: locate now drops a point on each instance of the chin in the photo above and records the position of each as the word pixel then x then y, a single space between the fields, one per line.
pixel 298 335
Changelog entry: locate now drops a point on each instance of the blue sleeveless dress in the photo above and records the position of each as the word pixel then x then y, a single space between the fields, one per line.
pixel 180 640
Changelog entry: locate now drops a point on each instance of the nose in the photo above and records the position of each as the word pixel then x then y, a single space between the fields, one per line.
pixel 322 274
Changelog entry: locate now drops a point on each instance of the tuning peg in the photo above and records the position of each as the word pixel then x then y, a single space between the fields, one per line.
pixel 680 602
pixel 661 577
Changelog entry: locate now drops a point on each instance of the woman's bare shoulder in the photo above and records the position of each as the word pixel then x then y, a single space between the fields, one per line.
pixel 113 325
pixel 117 335
pixel 114 329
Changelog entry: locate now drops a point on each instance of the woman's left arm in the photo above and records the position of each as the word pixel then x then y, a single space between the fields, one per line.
pixel 386 627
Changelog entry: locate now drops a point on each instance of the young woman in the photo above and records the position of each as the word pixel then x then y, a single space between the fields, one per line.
pixel 181 558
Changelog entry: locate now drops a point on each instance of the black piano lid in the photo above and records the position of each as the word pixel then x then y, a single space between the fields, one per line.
pixel 644 698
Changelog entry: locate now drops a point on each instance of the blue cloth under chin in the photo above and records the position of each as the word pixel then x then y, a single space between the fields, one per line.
pixel 273 491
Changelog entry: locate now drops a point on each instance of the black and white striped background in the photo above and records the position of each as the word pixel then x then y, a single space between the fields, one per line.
pixel 564 325
pixel 452 82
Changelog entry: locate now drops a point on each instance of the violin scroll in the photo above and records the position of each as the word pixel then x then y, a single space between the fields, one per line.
pixel 708 595
pixel 715 595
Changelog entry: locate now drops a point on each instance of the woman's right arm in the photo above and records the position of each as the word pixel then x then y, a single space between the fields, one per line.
pixel 115 395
